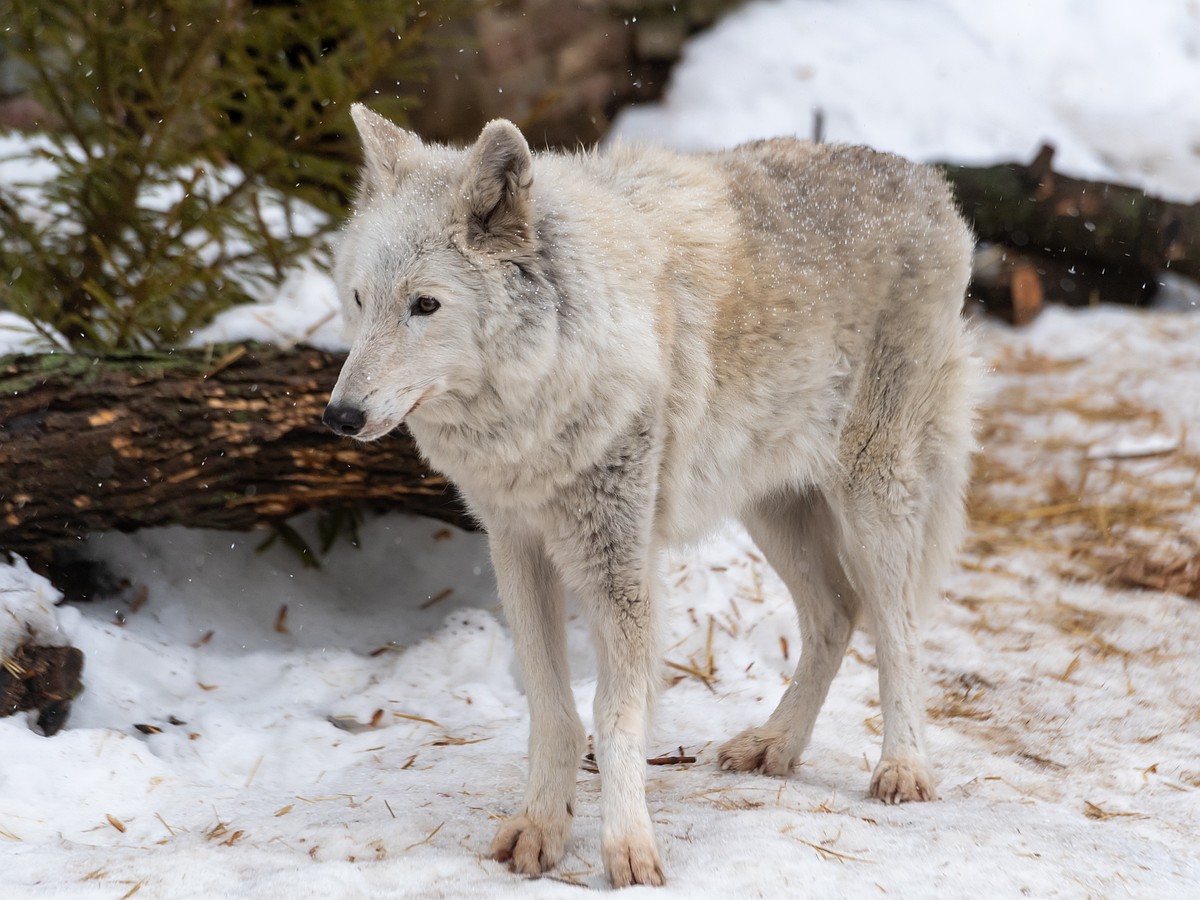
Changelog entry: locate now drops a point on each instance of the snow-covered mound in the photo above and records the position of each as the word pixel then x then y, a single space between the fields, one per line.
pixel 358 730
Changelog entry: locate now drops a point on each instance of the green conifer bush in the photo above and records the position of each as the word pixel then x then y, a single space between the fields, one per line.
pixel 195 150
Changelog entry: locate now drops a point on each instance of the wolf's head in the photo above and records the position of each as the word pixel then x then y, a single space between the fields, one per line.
pixel 439 248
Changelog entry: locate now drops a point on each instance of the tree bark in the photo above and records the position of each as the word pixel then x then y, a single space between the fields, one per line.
pixel 1081 235
pixel 1009 285
pixel 230 440
pixel 1016 284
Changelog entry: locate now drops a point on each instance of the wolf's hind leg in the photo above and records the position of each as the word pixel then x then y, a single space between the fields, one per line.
pixel 906 450
pixel 884 566
pixel 532 593
pixel 884 515
pixel 797 534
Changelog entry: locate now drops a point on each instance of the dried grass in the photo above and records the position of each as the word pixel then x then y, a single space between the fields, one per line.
pixel 706 674
pixel 963 694
pixel 1093 811
pixel 1118 518
pixel 452 741
pixel 1027 362
pixel 1177 576
pixel 727 799
pixel 827 854
pixel 425 840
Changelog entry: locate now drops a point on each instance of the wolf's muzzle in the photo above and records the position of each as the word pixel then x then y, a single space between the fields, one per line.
pixel 344 419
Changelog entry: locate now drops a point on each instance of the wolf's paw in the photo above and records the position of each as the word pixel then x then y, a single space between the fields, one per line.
pixel 763 749
pixel 902 781
pixel 529 847
pixel 632 860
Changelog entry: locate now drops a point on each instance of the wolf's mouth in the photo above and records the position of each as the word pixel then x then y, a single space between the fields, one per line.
pixel 376 429
pixel 425 395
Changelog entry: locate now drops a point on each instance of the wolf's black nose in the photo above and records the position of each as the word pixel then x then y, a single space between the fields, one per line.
pixel 344 419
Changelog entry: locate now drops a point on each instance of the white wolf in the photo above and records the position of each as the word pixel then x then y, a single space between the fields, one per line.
pixel 610 352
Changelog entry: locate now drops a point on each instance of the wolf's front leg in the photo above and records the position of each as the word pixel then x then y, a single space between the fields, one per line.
pixel 531 591
pixel 603 546
pixel 623 623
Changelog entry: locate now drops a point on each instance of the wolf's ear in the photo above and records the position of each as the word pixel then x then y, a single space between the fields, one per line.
pixel 387 149
pixel 496 191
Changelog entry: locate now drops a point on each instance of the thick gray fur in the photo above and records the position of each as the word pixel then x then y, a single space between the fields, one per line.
pixel 630 346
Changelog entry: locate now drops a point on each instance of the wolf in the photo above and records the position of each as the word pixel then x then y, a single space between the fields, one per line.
pixel 611 352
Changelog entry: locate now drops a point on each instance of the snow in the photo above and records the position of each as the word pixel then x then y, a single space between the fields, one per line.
pixel 27 609
pixel 1063 705
pixel 301 309
pixel 19 335
pixel 304 310
pixel 1110 83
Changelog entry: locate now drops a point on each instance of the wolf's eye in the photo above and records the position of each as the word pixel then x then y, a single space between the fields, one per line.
pixel 425 306
pixel 357 300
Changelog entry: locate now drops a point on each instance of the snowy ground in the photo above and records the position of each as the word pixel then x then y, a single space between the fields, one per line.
pixel 1111 83
pixel 1064 703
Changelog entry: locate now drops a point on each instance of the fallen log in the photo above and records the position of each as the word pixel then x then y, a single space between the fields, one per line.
pixel 1015 284
pixel 1007 284
pixel 1089 241
pixel 230 439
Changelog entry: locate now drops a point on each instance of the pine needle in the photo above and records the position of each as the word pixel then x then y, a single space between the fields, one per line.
pixel 827 853
pixel 426 839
